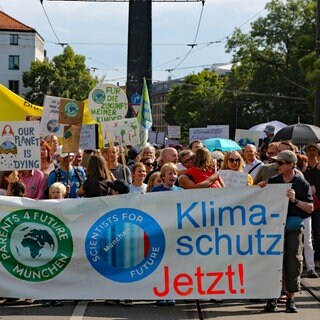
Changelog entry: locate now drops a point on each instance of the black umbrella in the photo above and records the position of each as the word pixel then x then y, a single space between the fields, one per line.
pixel 299 134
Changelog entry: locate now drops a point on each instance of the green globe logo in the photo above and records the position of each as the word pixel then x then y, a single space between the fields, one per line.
pixel 35 245
pixel 98 96
pixel 71 109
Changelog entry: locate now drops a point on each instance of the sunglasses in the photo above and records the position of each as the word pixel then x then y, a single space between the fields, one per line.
pixel 280 163
pixel 148 164
pixel 232 160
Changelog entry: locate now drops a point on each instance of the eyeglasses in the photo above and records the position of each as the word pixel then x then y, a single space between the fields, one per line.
pixel 220 160
pixel 232 160
pixel 280 163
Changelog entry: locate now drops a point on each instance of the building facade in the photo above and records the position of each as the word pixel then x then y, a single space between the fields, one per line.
pixel 159 98
pixel 19 46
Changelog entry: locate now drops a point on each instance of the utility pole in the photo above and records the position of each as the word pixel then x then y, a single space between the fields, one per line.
pixel 316 120
pixel 139 59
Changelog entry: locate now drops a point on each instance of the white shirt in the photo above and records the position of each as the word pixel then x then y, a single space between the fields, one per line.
pixel 254 165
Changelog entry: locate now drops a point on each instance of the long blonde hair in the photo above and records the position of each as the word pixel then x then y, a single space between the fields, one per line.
pixel 226 159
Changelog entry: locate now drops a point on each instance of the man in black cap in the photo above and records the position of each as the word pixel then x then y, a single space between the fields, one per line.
pixel 300 206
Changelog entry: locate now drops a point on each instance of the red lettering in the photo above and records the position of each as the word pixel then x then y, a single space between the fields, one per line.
pixel 218 276
pixel 166 284
pixel 178 282
pixel 183 284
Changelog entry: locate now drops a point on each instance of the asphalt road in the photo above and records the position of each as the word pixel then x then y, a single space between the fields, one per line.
pixel 307 303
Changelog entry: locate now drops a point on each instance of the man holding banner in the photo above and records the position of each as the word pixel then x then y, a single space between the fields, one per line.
pixel 300 207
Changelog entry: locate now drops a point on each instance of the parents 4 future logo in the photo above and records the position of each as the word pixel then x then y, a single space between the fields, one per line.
pixel 125 245
pixel 35 245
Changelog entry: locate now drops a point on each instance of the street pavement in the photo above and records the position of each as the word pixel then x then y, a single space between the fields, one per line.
pixel 308 304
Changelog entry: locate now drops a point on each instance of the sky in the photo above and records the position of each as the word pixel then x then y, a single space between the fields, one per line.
pixel 99 31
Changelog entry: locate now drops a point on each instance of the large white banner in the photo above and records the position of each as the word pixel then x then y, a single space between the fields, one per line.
pixel 210 243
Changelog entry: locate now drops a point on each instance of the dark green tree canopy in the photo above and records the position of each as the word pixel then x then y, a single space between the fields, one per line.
pixel 269 72
pixel 65 76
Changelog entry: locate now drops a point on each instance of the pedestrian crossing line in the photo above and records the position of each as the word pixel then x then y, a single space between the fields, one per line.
pixel 79 311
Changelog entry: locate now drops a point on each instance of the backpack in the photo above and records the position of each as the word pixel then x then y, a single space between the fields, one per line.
pixel 57 171
pixel 77 172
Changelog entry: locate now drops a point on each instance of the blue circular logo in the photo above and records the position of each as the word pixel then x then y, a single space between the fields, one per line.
pixel 125 245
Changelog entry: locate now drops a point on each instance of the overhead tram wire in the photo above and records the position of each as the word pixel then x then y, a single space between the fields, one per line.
pixel 208 43
pixel 192 45
pixel 44 10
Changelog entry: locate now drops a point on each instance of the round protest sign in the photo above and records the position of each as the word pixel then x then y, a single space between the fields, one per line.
pixel 107 102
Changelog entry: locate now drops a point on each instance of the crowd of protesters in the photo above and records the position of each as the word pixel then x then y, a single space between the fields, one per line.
pixel 115 170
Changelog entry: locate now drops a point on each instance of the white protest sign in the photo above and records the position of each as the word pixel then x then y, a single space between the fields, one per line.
pixel 49 124
pixel 107 102
pixel 218 131
pixel 19 145
pixel 124 132
pixel 174 132
pixel 244 137
pixel 233 178
pixel 89 137
pixel 191 244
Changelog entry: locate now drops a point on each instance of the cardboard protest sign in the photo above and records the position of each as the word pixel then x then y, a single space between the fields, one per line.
pixel 71 138
pixel 233 178
pixel 70 111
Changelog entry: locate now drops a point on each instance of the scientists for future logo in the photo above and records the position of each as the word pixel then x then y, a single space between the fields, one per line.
pixel 125 245
pixel 35 245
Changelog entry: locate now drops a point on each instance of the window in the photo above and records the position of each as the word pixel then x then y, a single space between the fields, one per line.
pixel 13 62
pixel 14 86
pixel 14 39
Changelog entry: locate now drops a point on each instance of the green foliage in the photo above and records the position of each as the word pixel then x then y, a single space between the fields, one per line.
pixel 274 77
pixel 269 81
pixel 194 103
pixel 66 76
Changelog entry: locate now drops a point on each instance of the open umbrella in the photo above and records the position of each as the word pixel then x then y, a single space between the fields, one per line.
pixel 261 126
pixel 299 134
pixel 221 144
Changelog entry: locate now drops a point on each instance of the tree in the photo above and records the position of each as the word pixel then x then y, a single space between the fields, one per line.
pixel 193 103
pixel 268 78
pixel 65 76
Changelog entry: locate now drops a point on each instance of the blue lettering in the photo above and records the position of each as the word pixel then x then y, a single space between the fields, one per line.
pixel 186 214
pixel 181 243
pixel 277 238
pixel 198 247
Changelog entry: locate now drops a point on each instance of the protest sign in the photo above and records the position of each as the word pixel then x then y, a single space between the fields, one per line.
pixel 123 132
pixel 233 178
pixel 49 124
pixel 244 137
pixel 218 131
pixel 107 102
pixel 19 145
pixel 71 138
pixel 70 111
